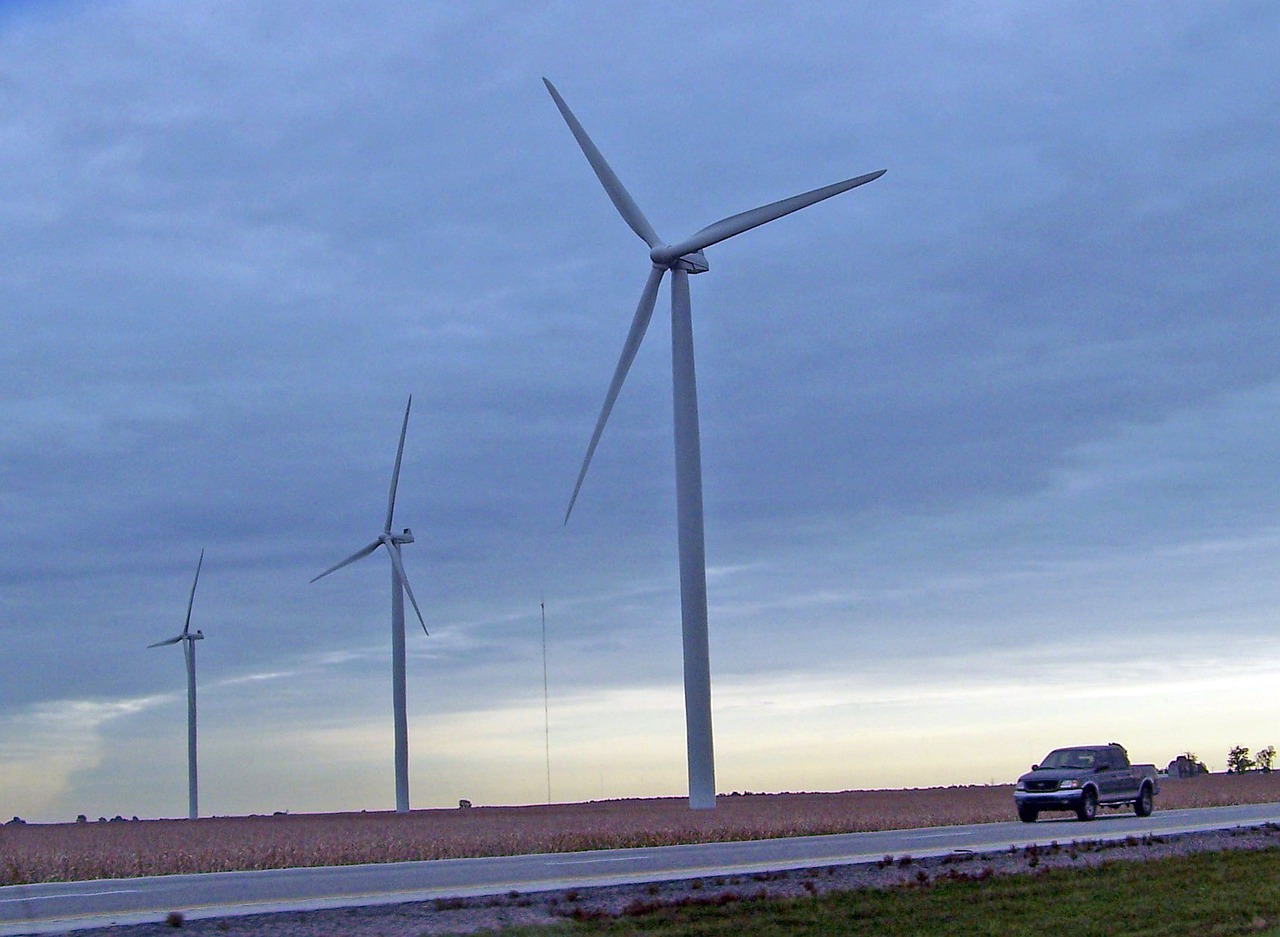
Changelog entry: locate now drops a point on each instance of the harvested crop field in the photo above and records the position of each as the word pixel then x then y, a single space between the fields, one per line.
pixel 71 851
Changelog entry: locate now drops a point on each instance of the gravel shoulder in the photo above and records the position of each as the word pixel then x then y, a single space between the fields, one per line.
pixel 466 916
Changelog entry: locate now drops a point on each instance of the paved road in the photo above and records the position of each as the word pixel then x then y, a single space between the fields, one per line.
pixel 59 907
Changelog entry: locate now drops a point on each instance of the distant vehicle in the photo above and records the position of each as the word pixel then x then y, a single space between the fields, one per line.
pixel 1083 779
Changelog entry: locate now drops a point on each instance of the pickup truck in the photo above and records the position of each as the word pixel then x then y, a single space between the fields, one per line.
pixel 1083 779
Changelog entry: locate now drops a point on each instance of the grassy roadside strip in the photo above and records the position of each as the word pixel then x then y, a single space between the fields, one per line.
pixel 1218 893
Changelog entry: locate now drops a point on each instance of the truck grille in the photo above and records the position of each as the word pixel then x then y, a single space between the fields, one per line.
pixel 1042 785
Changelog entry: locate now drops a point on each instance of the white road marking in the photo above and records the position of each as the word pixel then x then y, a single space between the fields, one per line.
pixel 78 894
pixel 591 861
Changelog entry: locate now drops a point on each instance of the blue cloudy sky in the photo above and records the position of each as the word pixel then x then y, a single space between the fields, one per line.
pixel 989 445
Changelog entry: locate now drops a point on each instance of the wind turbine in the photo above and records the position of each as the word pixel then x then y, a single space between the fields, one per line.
pixel 682 258
pixel 189 652
pixel 399 588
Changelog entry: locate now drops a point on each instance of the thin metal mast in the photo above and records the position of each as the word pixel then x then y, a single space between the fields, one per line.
pixel 546 707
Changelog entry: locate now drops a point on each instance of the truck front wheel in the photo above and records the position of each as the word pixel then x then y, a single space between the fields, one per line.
pixel 1028 814
pixel 1144 804
pixel 1088 808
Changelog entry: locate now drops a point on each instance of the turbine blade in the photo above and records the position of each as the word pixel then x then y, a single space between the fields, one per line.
pixel 173 640
pixel 621 198
pixel 358 555
pixel 404 581
pixel 191 601
pixel 395 473
pixel 639 324
pixel 726 228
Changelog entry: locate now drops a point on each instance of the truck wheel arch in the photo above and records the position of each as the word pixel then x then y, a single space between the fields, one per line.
pixel 1088 808
pixel 1146 800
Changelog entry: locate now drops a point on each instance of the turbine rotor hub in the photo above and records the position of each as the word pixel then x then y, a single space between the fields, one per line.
pixel 695 262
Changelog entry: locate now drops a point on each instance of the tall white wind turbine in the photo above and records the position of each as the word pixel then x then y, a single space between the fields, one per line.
pixel 188 641
pixel 399 588
pixel 682 258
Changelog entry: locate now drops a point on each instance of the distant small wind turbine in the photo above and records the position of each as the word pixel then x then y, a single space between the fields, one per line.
pixel 399 588
pixel 189 651
pixel 682 258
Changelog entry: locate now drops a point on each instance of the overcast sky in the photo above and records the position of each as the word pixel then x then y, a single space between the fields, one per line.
pixel 989 444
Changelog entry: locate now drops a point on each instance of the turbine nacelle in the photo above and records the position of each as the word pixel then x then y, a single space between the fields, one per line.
pixel 405 537
pixel 693 262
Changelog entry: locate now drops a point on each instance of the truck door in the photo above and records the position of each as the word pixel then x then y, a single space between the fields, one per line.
pixel 1115 781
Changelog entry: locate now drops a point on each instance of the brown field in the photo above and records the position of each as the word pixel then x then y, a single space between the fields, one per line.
pixel 70 851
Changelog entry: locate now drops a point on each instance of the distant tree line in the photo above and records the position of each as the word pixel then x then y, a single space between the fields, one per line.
pixel 1240 761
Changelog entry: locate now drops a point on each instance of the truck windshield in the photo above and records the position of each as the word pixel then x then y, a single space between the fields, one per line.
pixel 1070 758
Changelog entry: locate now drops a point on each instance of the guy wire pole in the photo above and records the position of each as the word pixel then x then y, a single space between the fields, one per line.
pixel 546 708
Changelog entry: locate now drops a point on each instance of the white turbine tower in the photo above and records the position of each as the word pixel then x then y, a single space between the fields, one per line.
pixel 189 652
pixel 399 588
pixel 682 258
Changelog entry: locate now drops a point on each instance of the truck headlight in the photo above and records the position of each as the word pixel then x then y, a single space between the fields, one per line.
pixel 1020 786
pixel 1068 784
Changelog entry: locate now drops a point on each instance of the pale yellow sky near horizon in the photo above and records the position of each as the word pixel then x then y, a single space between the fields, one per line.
pixel 796 732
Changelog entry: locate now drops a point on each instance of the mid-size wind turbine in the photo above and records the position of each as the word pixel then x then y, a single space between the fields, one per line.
pixel 188 641
pixel 399 588
pixel 682 258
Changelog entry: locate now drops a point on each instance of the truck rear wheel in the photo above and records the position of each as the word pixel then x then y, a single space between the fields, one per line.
pixel 1144 804
pixel 1028 814
pixel 1088 808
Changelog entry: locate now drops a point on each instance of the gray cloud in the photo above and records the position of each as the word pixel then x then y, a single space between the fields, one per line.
pixel 1025 377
